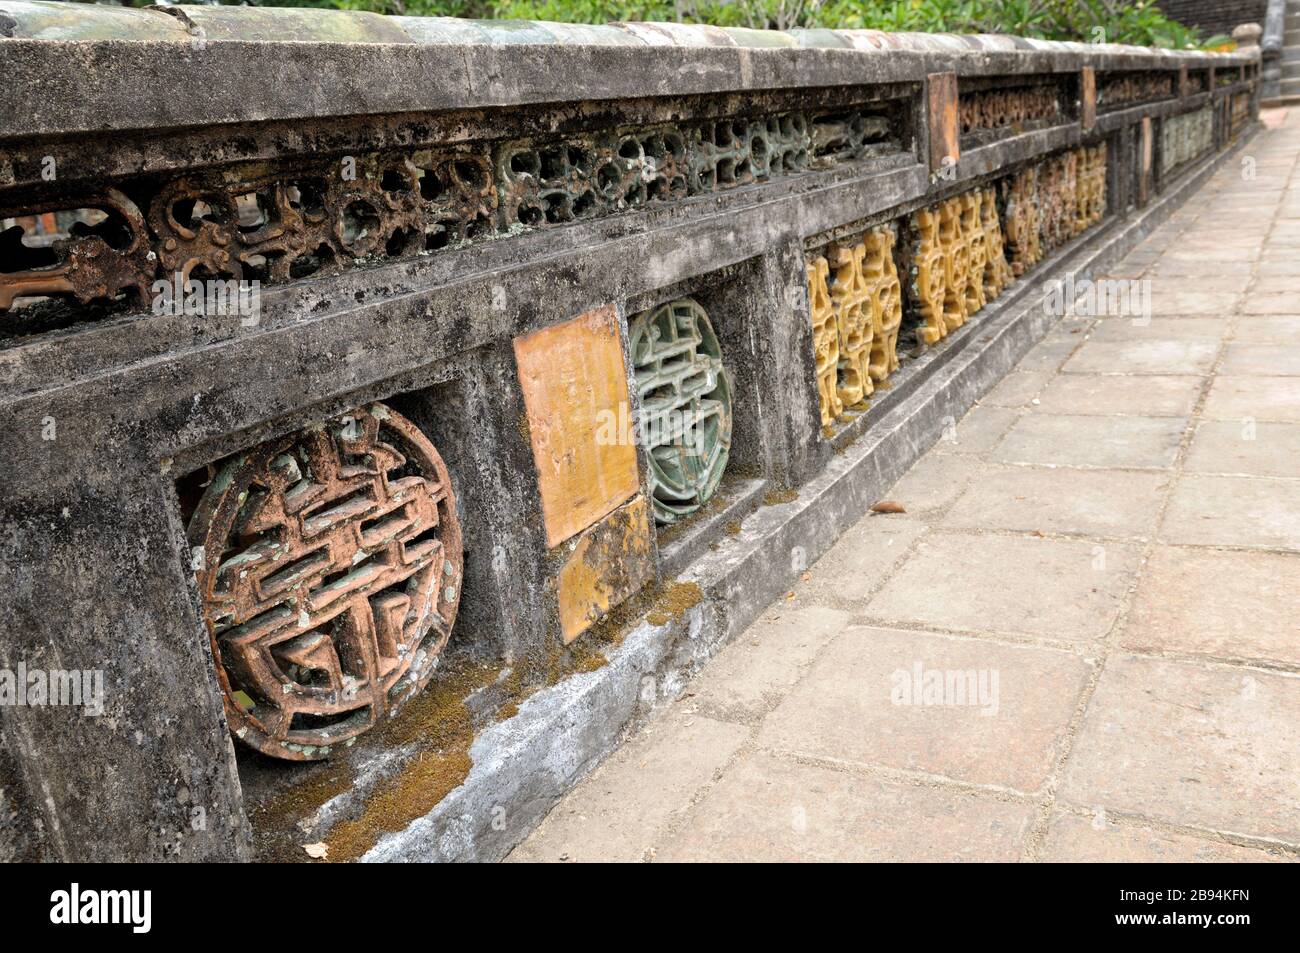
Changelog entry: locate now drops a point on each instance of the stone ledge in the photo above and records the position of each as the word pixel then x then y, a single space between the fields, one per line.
pixel 236 64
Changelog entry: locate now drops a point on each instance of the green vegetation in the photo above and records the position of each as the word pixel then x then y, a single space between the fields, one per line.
pixel 1096 21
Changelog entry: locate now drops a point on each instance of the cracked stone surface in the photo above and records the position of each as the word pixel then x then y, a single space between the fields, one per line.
pixel 1113 532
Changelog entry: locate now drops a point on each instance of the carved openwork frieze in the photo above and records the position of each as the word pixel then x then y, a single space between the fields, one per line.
pixel 948 261
pixel 328 562
pixel 851 299
pixel 997 273
pixel 294 218
pixel 105 252
pixel 685 395
pixel 886 300
pixel 1117 90
pixel 1012 108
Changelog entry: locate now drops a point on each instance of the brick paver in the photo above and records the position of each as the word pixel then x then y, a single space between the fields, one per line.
pixel 1082 639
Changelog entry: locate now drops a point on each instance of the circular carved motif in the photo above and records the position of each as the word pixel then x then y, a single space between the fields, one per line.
pixel 329 564
pixel 685 404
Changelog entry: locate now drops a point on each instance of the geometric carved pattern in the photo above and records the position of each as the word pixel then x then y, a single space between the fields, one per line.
pixel 1058 193
pixel 329 564
pixel 856 317
pixel 1020 220
pixel 826 340
pixel 886 300
pixel 685 395
pixel 1091 204
pixel 851 298
pixel 997 273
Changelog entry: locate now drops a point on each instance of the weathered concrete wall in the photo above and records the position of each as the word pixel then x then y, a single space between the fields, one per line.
pixel 386 554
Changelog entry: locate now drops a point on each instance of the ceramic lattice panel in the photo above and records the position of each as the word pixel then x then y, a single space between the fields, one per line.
pixel 886 300
pixel 1057 199
pixel 826 338
pixel 956 264
pixel 1091 203
pixel 851 299
pixel 329 565
pixel 685 405
pixel 927 283
pixel 972 227
pixel 997 273
pixel 1186 137
pixel 1020 220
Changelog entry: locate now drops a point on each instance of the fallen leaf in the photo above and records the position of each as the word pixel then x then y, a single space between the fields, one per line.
pixel 317 851
pixel 888 506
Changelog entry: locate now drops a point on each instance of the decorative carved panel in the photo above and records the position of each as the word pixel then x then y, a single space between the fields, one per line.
pixel 685 405
pixel 329 565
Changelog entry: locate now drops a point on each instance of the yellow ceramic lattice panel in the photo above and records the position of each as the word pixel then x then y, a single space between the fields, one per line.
pixel 927 278
pixel 972 228
pixel 956 264
pixel 1021 220
pixel 826 339
pixel 997 273
pixel 886 301
pixel 850 297
pixel 1056 200
pixel 1091 204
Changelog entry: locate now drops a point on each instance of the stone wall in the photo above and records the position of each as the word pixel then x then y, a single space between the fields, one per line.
pixel 1215 17
pixel 365 378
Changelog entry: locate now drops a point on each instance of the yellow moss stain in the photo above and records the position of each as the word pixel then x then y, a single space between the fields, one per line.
pixel 415 791
pixel 675 600
pixel 777 497
pixel 278 816
pixel 438 721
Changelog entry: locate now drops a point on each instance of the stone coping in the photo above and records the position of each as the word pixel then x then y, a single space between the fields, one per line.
pixel 78 68
pixel 57 21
